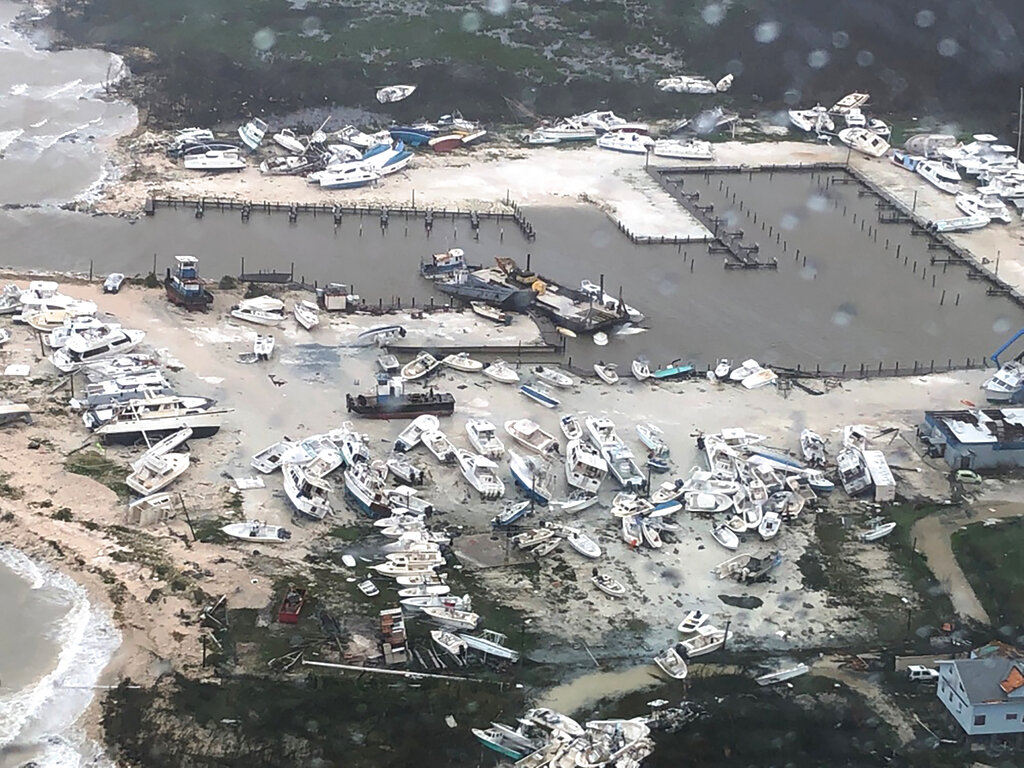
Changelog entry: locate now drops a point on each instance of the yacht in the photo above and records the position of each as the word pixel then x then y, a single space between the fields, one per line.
pixel 158 417
pixel 983 205
pixel 348 176
pixel 864 141
pixel 815 119
pixel 94 344
pixel 262 310
pixel 855 118
pixel 566 131
pixel 940 175
pixel 1005 384
pixel 584 467
pixel 121 389
pixel 693 149
pixel 604 121
pixel 214 160
pixel 626 141
pixel 252 133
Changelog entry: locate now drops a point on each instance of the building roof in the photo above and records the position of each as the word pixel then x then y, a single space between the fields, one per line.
pixel 983 425
pixel 990 679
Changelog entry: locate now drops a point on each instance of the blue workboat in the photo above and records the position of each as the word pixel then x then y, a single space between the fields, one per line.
pixel 511 513
pixel 540 396
pixel 533 475
pixel 412 136
pixel 673 369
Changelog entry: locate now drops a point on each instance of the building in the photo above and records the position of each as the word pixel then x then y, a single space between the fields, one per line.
pixel 984 695
pixel 985 438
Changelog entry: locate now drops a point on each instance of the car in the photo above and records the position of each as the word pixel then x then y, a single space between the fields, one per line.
pixel 968 477
pixel 920 673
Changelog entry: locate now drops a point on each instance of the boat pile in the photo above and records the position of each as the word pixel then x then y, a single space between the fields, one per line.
pixel 584 127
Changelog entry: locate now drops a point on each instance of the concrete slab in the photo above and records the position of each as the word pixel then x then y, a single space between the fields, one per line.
pixel 489 550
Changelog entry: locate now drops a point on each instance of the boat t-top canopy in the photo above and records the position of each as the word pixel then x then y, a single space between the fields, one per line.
pixel 186 260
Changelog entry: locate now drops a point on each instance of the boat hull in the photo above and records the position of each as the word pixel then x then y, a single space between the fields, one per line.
pixel 401 406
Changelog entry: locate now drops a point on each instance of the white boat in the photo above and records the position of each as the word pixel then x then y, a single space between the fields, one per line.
pixel 490 313
pixel 816 119
pixel 437 443
pixel 263 346
pixel 5 336
pixel 451 617
pixel 577 501
pixel 584 466
pixel 693 84
pixel 864 141
pixel 706 640
pixel 483 436
pixel 540 396
pixel 463 362
pixel 983 205
pixel 156 417
pixel 481 473
pixel 388 363
pixel 405 471
pixel 610 303
pixel 546 547
pixel 601 339
pixel 379 335
pixel 706 502
pixel 855 118
pixel 812 446
pixel 214 160
pixel 641 370
pixel 853 472
pixel 306 316
pixel 113 282
pixel 48 319
pixel 582 543
pixel 346 176
pixel 570 426
pixel 722 368
pixel 608 585
pixel 960 224
pixel 309 495
pixel 940 175
pixel 725 536
pixel 692 621
pixel 286 139
pixel 880 531
pixel 532 474
pixel 424 590
pixel 626 141
pixel 423 364
pixel 532 537
pixel 10 299
pixel 1004 385
pixel 760 378
pixel 607 372
pixel 623 466
pixel 566 131
pixel 769 526
pixel 368 588
pixel 651 436
pixel 499 370
pixel 854 100
pixel 411 436
pixel 632 533
pixel 98 344
pixel 672 663
pixel 154 508
pixel 404 570
pixel 782 675
pixel 691 149
pixel 650 534
pixel 491 643
pixel 670 490
pixel 261 310
pixel 529 434
pixel 154 473
pixel 554 377
pixel 252 132
pixel 747 368
pixel 257 531
pixel 392 93
pixel 448 642
pixel 605 120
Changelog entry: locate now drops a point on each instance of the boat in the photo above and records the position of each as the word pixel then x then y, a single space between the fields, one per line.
pixel 529 434
pixel 500 742
pixel 959 224
pixel 486 286
pixel 113 282
pixel 607 372
pixel 254 530
pixel 451 617
pixel 650 534
pixel 392 93
pixel 864 141
pixel 500 371
pixel 692 621
pixel 907 160
pixel 424 589
pixel 441 264
pixel 706 640
pixel 673 369
pixel 392 402
pixel 1005 384
pixel 693 84
pixel 10 299
pixel 184 288
pixel 291 606
pixel 626 141
pixel 406 471
pixel 564 132
pixel 582 543
pixel 252 132
pixel 769 526
pixel 554 377
pixel 491 643
pixel 880 531
pixel 855 118
pixel 156 472
pixel 983 205
pixel 533 475
pixel 286 139
pixel 512 512
pixel 601 339
pixel 546 547
pixel 379 335
pixel 539 396
pixel 747 368
pixel 263 346
pixel 816 119
pixel 346 176
pixel 480 472
pixel 87 346
pixel 406 498
pixel 463 362
pixel 388 363
pixel 632 533
pixel 309 495
pixel 368 588
pixel 650 435
pixel 571 427
pixel 155 418
pixel 760 378
pixel 725 536
pixel 608 585
pixel 214 160
pixel 706 502
pixel 483 436
pixel 940 175
pixel 782 675
pixel 850 101
pixel 623 466
pixel 641 370
pixel 440 446
pixel 672 663
pixel 405 570
pixel 446 142
pixel 577 501
pixel 305 316
pixel 447 641
pixel 532 537
pixel 490 313
pixel 691 149
pixel 584 466
pixel 155 507
pixel 853 472
pixel 812 446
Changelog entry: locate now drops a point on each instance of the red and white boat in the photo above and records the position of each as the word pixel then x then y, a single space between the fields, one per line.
pixel 446 143
pixel 291 606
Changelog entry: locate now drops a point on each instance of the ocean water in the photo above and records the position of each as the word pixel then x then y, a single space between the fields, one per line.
pixel 55 118
pixel 53 647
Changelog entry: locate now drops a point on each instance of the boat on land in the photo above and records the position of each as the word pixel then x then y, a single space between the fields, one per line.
pixel 571 427
pixel 812 446
pixel 368 588
pixel 725 536
pixel 490 313
pixel 86 346
pixel 567 131
pixel 651 535
pixel 512 512
pixel 706 502
pixel 539 395
pixel 261 310
pixel 252 132
pixel 1005 384
pixel 692 621
pixel 392 93
pixel 451 617
pixel 291 606
pixel 693 149
pixel 155 418
pixel 581 542
pixel 446 641
pixel 577 501
pixel 263 346
pixel 346 176
pixel 626 141
pixel 501 742
pixel 379 335
pixel 607 372
pixel 673 369
pixel 463 362
pixel 422 365
pixel 632 533
pixel 769 526
pixel 546 547
pixel 491 643
pixel 481 473
pixel 533 537
pixel 257 531
pixel 706 640
pixel 305 316
pixel 940 175
pixel 184 288
pixel 816 119
pixel 483 436
pixel 651 436
pixel 554 377
pixel 499 370
pixel 865 141
pixel 113 282
pixel 641 370
pixel 308 494
pixel 213 160
pixel 405 471
pixel 391 401
pixel 692 84
pixel 411 436
pixel 529 434
pixel 533 475
pixel 853 471
pixel 959 224
pixel 440 446
pixel 850 101
pixel 745 369
pixel 388 363
pixel 446 142
pixel 287 140
pixel 153 473
pixel 608 585
pixel 983 205
pixel 585 468
pixel 672 663
pixel 782 675
pixel 880 531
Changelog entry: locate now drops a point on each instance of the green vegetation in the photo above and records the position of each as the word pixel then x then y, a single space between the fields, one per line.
pixel 92 462
pixel 990 559
pixel 7 490
pixel 63 514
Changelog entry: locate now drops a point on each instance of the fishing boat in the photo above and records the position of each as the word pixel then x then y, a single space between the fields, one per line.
pixel 532 537
pixel 865 141
pixel 940 175
pixel 440 446
pixel 607 372
pixel 782 675
pixel 539 396
pixel 705 502
pixel 672 663
pixel 627 504
pixel 769 526
pixel 500 742
pixel 411 436
pixel 451 617
pixel 305 316
pixel 608 585
pixel 490 313
pixel 392 93
pixel 650 533
pixel 571 427
pixel 512 512
pixel 422 365
pixel 252 132
pixel 463 362
pixel 480 472
pixel 213 160
pixel 584 466
pixel 693 149
pixel 707 640
pixel 291 606
pixel 392 402
pixel 388 363
pixel 546 547
pixel 483 436
pixel 263 346
pixel 529 434
pixel 405 471
pixel 673 369
pixel 113 282
pixel 554 377
pixel 463 603
pixel 533 475
pixel 500 371
pixel 623 466
pixel 632 533
pixel 184 288
pixel 725 536
pixel 577 501
pixel 651 436
pixel 441 264
pixel 880 531
pixel 641 370
pixel 491 643
pixel 692 621
pixel 407 498
pixel 254 530
pixel 368 588
pixel 446 641
pixel 747 368
pixel 626 141
pixel 582 543
pixel 309 495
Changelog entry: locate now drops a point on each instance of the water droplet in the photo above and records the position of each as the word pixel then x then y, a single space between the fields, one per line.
pixel 713 13
pixel 264 39
pixel 311 25
pixel 767 32
pixel 948 47
pixel 792 97
pixel 471 22
pixel 817 202
pixel 730 218
pixel 1001 325
pixel 865 58
pixel 808 272
pixel 840 39
pixel 818 58
pixel 599 239
pixel 843 316
pixel 498 7
pixel 734 67
pixel 789 221
pixel 924 18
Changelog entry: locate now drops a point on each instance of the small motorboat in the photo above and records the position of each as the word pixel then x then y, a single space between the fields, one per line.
pixel 411 436
pixel 632 532
pixel 113 282
pixel 252 132
pixel 571 427
pixel 379 335
pixel 263 346
pixel 539 396
pixel 388 363
pixel 451 617
pixel 673 369
pixel 650 534
pixel 658 464
pixel 748 368
pixel 650 435
pixel 483 436
pixel 769 526
pixel 725 536
pixel 608 585
pixel 671 662
pixel 480 472
pixel 406 471
pixel 641 370
pixel 499 370
pixel 530 435
pixel 392 93
pixel 512 512
pixel 368 588
pixel 452 644
pixel 306 316
pixel 782 675
pixel 577 501
pixel 601 339
pixel 291 606
pixel 286 139
pixel 706 502
pixel 554 377
pixel 692 621
pixel 463 362
pixel 437 443
pixel 254 530
pixel 582 543
pixel 880 531
pixel 490 313
pixel 422 365
pixel 722 368
pixel 607 372
pixel 760 378
pixel 269 459
pixel 546 547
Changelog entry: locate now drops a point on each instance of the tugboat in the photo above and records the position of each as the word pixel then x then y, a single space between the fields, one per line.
pixel 390 401
pixel 185 288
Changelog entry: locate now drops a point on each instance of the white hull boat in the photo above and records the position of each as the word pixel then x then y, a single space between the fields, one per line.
pixel 500 371
pixel 306 316
pixel 262 310
pixel 769 525
pixel 641 370
pixel 939 175
pixel 554 377
pixel 422 365
pixel 692 621
pixel 529 435
pixel 1004 385
pixel 706 502
pixel 392 93
pixel 608 585
pixel 878 532
pixel 440 446
pixel 406 471
pixel 725 536
pixel 672 663
pixel 707 640
pixel 571 427
pixel 983 205
pixel 263 346
pixel 155 473
pixel 463 362
pixel 309 495
pixel 451 617
pixel 626 141
pixel 864 141
pixel 632 533
pixel 89 346
pixel 746 369
pixel 782 675
pixel 683 150
pixel 451 644
pixel 252 132
pixel 483 436
pixel 480 472
pixel 607 372
pixel 412 435
pixel 577 501
pixel 582 543
pixel 584 466
pixel 214 160
pixel 256 531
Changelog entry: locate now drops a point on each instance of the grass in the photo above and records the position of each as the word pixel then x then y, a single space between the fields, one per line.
pixel 7 490
pixel 92 462
pixel 990 559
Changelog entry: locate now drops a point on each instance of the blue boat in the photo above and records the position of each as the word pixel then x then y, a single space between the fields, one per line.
pixel 658 464
pixel 539 396
pixel 413 137
pixel 666 508
pixel 443 264
pixel 906 160
pixel 531 473
pixel 511 513
pixel 502 744
pixel 778 458
pixel 673 369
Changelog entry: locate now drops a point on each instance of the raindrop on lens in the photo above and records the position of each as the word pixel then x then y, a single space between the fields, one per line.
pixel 311 25
pixel 818 58
pixel 809 273
pixel 713 14
pixel 948 47
pixel 818 203
pixel 471 22
pixel 767 32
pixel 1001 325
pixel 865 58
pixel 840 39
pixel 789 221
pixel 498 7
pixel 263 39
pixel 924 18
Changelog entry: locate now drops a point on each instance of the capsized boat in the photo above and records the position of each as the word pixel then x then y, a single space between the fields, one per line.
pixel 539 395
